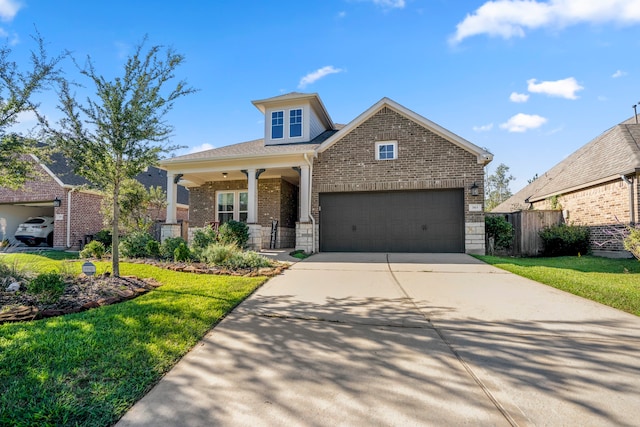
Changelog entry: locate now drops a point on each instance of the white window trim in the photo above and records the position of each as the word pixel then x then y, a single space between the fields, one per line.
pixel 395 149
pixel 301 122
pixel 284 124
pixel 236 203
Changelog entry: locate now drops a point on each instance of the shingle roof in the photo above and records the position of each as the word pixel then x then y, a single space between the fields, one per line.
pixel 253 148
pixel 613 153
pixel 154 176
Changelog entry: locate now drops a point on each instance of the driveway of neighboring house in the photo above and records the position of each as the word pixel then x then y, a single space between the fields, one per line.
pixel 405 339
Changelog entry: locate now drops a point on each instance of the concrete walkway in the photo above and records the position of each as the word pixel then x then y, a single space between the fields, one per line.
pixel 405 339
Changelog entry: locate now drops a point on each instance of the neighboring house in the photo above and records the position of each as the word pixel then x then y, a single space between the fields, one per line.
pixel 67 197
pixel 596 186
pixel 389 181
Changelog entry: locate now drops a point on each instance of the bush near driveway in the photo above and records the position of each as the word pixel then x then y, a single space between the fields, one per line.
pixel 613 282
pixel 89 368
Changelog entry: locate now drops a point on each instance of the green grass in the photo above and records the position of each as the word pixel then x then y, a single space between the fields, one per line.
pixel 89 368
pixel 613 282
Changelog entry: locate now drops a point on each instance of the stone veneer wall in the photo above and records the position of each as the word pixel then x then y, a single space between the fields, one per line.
pixel 425 161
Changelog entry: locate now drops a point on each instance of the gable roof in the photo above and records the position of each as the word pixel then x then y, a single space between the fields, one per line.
pixel 483 155
pixel 60 170
pixel 291 98
pixel 614 153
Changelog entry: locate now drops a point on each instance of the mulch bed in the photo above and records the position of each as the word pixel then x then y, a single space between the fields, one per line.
pixel 82 294
pixel 85 293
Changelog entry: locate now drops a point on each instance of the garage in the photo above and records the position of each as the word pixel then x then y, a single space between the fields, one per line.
pixel 392 221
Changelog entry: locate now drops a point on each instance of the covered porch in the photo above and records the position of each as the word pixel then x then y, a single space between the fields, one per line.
pixel 272 196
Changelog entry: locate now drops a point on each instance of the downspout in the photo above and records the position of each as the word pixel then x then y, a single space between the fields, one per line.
pixel 632 213
pixel 313 221
pixel 71 190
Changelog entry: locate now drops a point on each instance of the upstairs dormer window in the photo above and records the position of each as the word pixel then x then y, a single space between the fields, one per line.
pixel 295 123
pixel 277 124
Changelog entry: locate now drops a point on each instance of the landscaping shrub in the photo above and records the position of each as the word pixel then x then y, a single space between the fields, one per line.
pixel 216 253
pixel 234 232
pixel 169 246
pixel 134 245
pixel 501 230
pixel 104 237
pixel 632 241
pixel 94 248
pixel 204 237
pixel 181 253
pixel 49 285
pixel 153 248
pixel 248 259
pixel 559 240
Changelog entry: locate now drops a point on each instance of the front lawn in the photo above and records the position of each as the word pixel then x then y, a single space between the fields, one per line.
pixel 613 282
pixel 89 368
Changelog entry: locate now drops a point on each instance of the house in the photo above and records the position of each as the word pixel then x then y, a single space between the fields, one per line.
pixel 56 191
pixel 596 186
pixel 390 180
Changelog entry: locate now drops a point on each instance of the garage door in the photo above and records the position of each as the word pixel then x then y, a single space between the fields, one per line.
pixel 398 221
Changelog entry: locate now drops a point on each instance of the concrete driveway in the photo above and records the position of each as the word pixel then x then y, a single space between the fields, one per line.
pixel 405 339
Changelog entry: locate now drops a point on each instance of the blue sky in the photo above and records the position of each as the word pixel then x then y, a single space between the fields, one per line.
pixel 531 81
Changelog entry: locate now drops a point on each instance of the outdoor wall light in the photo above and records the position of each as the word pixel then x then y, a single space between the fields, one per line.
pixel 57 202
pixel 224 174
pixel 474 189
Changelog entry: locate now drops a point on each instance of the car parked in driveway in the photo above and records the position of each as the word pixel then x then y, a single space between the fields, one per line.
pixel 36 230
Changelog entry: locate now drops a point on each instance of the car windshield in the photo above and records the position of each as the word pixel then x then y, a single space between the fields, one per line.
pixel 34 221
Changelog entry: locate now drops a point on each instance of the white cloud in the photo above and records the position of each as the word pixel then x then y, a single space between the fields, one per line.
pixel 342 14
pixel 317 75
pixel 483 128
pixel 510 18
pixel 9 9
pixel 518 97
pixel 201 147
pixel 619 73
pixel 523 122
pixel 565 88
pixel 390 4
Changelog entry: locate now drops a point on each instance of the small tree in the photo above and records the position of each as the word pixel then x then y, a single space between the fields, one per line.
pixel 17 90
pixel 120 131
pixel 497 187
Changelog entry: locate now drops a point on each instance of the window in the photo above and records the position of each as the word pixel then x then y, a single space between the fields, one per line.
pixel 386 150
pixel 295 123
pixel 232 205
pixel 277 124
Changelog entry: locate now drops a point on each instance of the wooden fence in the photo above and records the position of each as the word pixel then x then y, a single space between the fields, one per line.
pixel 526 226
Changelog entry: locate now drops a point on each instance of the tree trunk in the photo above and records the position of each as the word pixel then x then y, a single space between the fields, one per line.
pixel 115 238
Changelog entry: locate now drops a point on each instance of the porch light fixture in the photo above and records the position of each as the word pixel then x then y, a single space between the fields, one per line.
pixel 57 202
pixel 224 174
pixel 474 189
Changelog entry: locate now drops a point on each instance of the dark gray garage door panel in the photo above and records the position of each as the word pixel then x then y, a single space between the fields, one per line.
pixel 400 221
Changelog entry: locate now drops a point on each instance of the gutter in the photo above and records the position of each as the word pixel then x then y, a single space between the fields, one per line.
pixel 632 213
pixel 313 221
pixel 71 190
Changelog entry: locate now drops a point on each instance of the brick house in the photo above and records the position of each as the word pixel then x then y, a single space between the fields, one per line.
pixel 389 181
pixel 596 186
pixel 57 192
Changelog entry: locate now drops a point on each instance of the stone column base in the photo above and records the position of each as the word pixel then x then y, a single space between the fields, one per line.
pixel 304 237
pixel 169 230
pixel 255 237
pixel 474 238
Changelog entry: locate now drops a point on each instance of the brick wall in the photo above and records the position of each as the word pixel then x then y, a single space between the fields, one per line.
pixel 604 208
pixel 425 161
pixel 42 188
pixel 277 199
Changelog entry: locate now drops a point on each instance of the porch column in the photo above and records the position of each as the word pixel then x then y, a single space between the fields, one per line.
pixel 172 192
pixel 304 193
pixel 252 187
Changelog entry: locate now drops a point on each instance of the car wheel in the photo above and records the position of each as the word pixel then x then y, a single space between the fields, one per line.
pixel 30 242
pixel 50 239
